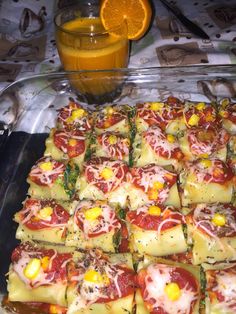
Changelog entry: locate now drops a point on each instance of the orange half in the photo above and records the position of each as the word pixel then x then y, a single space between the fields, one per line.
pixel 135 13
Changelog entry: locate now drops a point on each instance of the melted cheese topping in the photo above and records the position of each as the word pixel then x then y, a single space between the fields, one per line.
pixel 66 137
pixel 204 214
pixel 158 140
pixel 45 176
pixel 158 276
pixel 89 292
pixel 107 219
pixel 226 286
pixel 113 182
pixel 119 148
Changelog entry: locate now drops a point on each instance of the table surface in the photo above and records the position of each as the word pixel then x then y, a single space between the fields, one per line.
pixel 27 43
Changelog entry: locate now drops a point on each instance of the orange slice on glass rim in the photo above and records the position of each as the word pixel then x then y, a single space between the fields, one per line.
pixel 135 13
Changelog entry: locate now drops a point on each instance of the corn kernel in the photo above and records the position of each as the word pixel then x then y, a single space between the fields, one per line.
pixel 204 156
pixel 93 276
pixel 45 262
pixel 53 309
pixel 218 172
pixel 72 142
pixel 109 110
pixel 219 220
pixel 153 194
pixel 32 269
pixel 77 113
pixel 156 106
pixel 172 291
pixel 93 213
pixel 225 102
pixel 46 166
pixel 170 138
pixel 223 113
pixel 45 212
pixel 106 173
pixel 154 210
pixel 194 119
pixel 107 124
pixel 209 117
pixel 112 139
pixel 206 163
pixel 201 106
pixel 158 185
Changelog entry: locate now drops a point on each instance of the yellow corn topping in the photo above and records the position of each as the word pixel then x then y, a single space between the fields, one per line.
pixel 32 269
pixel 225 103
pixel 107 173
pixel 194 119
pixel 93 213
pixel 201 106
pixel 153 194
pixel 109 110
pixel 112 139
pixel 53 309
pixel 204 156
pixel 46 166
pixel 95 277
pixel 45 262
pixel 173 291
pixel 77 113
pixel 72 142
pixel 219 220
pixel 223 113
pixel 156 106
pixel 170 138
pixel 207 163
pixel 45 212
pixel 158 185
pixel 154 210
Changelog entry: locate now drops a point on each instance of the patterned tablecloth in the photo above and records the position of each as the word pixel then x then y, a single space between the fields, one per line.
pixel 27 44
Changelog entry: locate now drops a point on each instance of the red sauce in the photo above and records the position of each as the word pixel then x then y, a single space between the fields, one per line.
pixel 62 141
pixel 83 124
pixel 56 271
pixel 92 173
pixel 106 120
pixel 46 178
pixel 151 222
pixel 119 149
pixel 59 215
pixel 207 116
pixel 182 277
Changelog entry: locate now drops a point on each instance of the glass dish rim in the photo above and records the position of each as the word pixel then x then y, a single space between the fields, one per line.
pixel 145 71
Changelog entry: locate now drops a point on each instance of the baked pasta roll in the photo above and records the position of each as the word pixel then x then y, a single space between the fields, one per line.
pixel 206 181
pixel 152 183
pixel 74 117
pixel 49 178
pixel 42 220
pixel 221 290
pixel 227 112
pixel 95 224
pixel 63 145
pixel 112 119
pixel 156 230
pixel 104 179
pixel 167 287
pixel 155 146
pixel 38 275
pixel 166 115
pixel 101 283
pixel 112 145
pixel 212 232
pixel 204 143
pixel 201 115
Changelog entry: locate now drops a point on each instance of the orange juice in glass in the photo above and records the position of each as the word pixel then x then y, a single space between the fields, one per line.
pixel 84 44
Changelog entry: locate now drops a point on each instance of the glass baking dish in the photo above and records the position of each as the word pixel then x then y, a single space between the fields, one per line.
pixel 29 106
